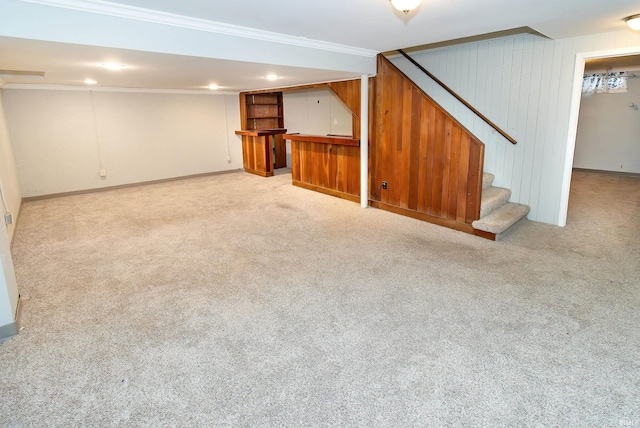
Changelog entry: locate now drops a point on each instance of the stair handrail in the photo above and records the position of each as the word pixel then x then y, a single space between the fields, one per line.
pixel 458 97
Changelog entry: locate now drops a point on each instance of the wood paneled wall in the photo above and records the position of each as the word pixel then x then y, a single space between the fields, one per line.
pixel 431 164
pixel 523 83
pixel 328 168
pixel 349 92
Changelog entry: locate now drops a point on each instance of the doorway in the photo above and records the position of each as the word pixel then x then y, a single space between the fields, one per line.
pixel 576 96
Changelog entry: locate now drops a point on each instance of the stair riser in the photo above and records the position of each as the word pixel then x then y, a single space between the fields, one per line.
pixel 492 199
pixel 487 180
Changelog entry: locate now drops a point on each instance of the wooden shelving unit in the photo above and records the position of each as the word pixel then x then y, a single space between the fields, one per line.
pixel 263 112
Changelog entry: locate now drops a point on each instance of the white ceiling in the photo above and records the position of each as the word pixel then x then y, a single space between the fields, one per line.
pixel 368 24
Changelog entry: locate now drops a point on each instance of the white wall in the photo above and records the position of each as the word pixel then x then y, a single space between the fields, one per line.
pixel 60 145
pixel 11 191
pixel 8 173
pixel 317 112
pixel 8 285
pixel 609 131
pixel 523 84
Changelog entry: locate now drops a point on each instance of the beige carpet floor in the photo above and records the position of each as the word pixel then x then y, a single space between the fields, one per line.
pixel 235 300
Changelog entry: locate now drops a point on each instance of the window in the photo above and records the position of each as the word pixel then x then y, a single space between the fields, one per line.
pixel 604 82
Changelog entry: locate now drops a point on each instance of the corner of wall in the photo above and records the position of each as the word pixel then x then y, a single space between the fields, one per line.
pixel 9 184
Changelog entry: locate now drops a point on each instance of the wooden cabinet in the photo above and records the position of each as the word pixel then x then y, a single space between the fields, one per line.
pixel 264 149
pixel 259 149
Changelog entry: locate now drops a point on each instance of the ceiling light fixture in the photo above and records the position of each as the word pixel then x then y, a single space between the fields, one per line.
pixel 405 6
pixel 112 66
pixel 213 86
pixel 90 81
pixel 271 77
pixel 633 22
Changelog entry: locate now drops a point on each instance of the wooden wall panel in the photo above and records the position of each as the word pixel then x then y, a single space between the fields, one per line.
pixel 349 92
pixel 522 83
pixel 328 168
pixel 432 165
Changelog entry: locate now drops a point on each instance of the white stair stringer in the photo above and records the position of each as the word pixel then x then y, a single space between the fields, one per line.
pixel 497 214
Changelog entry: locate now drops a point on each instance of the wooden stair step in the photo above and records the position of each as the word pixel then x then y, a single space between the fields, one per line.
pixel 502 218
pixel 492 199
pixel 487 180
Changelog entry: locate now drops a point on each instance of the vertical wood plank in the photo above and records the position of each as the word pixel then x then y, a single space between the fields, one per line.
pixel 405 149
pixel 414 149
pixel 446 167
pixel 423 184
pixel 464 176
pixel 431 136
pixel 396 140
pixel 454 175
pixel 438 164
pixel 295 161
pixel 474 183
pixel 340 172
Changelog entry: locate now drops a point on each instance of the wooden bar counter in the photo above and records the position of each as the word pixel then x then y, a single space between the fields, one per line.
pixel 257 149
pixel 326 164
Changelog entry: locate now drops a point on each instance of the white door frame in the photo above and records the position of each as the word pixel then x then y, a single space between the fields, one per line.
pixel 574 111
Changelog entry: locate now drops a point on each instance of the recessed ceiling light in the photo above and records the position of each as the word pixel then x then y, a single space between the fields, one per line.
pixel 213 86
pixel 112 66
pixel 271 77
pixel 90 81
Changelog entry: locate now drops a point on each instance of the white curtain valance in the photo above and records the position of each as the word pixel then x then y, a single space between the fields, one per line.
pixel 603 82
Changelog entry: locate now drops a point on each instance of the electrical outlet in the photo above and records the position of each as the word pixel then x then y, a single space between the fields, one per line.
pixel 228 158
pixel 8 218
pixel 103 173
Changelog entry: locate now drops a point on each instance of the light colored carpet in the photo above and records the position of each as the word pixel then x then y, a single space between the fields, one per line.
pixel 236 300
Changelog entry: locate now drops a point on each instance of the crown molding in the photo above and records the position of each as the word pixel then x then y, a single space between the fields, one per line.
pixel 110 89
pixel 158 17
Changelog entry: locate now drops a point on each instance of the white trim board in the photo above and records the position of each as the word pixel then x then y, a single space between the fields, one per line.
pixel 24 86
pixel 574 112
pixel 157 17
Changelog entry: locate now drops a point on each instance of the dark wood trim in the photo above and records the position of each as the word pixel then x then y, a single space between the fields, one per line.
pixel 261 132
pixel 327 191
pixel 458 97
pixel 260 173
pixel 341 141
pixel 451 224
pixel 296 88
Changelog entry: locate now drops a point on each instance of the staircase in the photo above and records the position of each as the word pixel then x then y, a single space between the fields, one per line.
pixel 497 214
